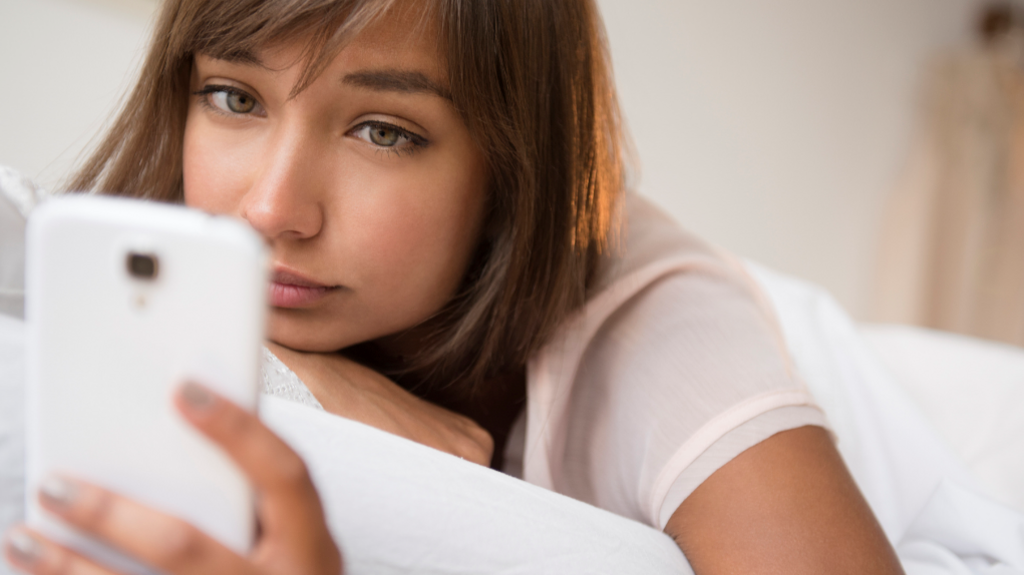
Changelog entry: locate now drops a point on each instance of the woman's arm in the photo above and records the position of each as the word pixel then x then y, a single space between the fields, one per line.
pixel 351 390
pixel 787 505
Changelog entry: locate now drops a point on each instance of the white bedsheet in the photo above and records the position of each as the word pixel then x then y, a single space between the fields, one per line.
pixel 931 507
pixel 399 507
pixel 972 391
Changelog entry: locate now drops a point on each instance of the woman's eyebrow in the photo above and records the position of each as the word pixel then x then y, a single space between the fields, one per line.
pixel 406 82
pixel 241 57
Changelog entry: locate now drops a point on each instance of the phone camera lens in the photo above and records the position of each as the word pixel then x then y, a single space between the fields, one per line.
pixel 142 266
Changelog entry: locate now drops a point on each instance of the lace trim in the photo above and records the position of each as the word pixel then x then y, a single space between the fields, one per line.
pixel 280 381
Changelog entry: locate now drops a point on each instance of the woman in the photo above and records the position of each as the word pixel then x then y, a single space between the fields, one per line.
pixel 440 184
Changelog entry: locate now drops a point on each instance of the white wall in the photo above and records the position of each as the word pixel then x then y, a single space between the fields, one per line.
pixel 64 64
pixel 771 128
pixel 776 128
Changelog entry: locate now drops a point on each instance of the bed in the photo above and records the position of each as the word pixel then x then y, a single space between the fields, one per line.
pixel 930 425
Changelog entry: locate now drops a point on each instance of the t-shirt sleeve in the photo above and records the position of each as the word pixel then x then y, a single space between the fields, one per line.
pixel 680 379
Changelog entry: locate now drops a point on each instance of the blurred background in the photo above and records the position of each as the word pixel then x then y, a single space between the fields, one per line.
pixel 814 137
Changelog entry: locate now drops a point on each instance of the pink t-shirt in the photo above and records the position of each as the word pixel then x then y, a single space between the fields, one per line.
pixel 674 366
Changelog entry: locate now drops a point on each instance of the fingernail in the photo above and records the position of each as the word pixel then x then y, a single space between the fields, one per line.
pixel 58 491
pixel 197 396
pixel 23 548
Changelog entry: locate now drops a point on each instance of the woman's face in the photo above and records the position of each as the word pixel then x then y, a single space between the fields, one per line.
pixel 367 184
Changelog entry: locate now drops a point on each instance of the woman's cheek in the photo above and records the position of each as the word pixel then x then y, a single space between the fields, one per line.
pixel 216 169
pixel 200 176
pixel 391 232
pixel 413 239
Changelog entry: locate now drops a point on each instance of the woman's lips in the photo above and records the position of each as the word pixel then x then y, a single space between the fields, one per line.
pixel 289 290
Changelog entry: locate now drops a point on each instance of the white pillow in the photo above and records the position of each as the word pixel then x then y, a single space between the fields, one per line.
pixel 12 422
pixel 396 506
pixel 18 196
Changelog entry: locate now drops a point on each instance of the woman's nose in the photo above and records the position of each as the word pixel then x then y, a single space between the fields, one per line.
pixel 283 201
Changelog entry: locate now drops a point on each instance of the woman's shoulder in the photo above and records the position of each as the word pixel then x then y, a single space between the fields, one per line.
pixel 654 256
pixel 670 295
pixel 674 366
pixel 646 235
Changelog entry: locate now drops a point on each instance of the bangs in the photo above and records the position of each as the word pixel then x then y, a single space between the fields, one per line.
pixel 236 30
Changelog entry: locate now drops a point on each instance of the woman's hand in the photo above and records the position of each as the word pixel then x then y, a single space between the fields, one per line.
pixel 351 390
pixel 293 540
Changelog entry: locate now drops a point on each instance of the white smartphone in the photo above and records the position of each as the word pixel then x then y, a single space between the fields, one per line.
pixel 125 300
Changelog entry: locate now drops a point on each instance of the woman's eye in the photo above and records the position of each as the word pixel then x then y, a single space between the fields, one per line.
pixel 237 102
pixel 229 100
pixel 384 136
pixel 388 136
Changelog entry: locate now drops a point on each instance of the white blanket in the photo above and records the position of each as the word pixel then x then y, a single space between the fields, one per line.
pixel 931 508
pixel 398 507
pixel 972 390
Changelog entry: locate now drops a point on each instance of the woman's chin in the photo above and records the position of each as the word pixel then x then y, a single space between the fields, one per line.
pixel 300 336
pixel 326 331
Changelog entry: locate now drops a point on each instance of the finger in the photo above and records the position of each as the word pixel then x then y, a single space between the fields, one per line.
pixel 167 543
pixel 30 552
pixel 289 502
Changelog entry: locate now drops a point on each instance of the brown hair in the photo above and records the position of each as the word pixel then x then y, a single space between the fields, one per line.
pixel 532 81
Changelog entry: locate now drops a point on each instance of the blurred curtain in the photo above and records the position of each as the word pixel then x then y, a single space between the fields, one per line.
pixel 952 245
